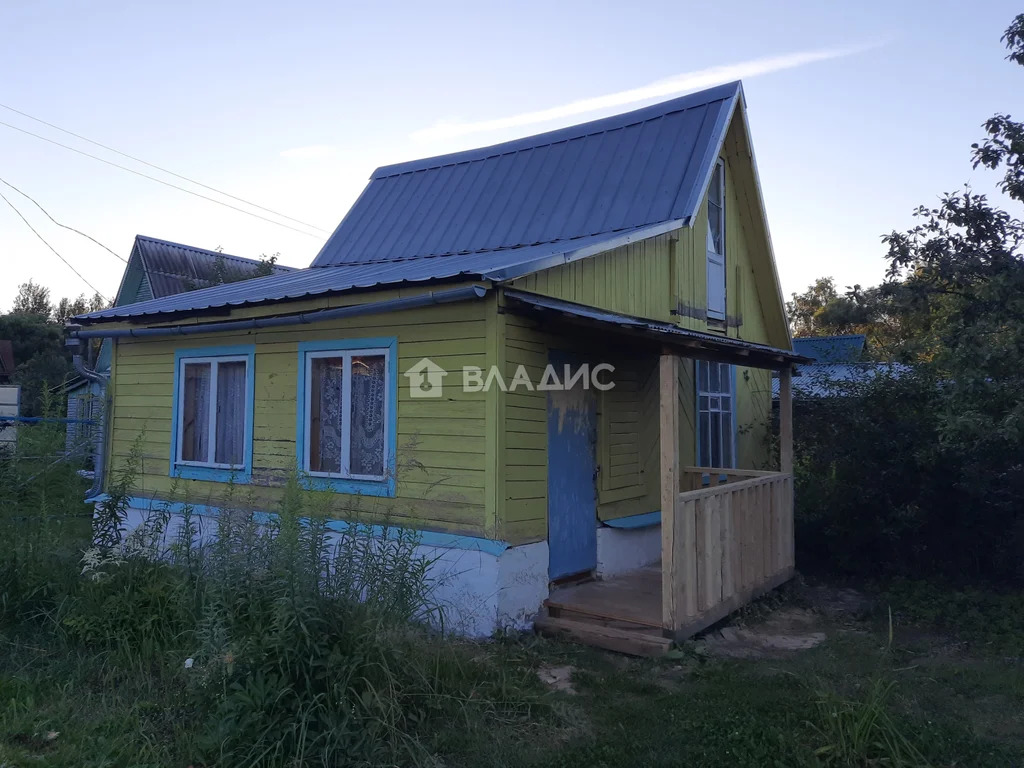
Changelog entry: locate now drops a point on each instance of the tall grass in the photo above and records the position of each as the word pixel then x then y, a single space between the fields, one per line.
pixel 277 640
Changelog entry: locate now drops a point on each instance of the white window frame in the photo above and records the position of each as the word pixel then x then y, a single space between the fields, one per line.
pixel 346 410
pixel 211 427
pixel 730 395
pixel 719 171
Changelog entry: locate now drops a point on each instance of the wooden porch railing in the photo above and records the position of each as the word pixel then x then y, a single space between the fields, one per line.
pixel 736 543
pixel 727 534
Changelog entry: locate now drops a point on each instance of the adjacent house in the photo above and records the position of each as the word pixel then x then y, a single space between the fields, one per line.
pixel 838 365
pixel 155 269
pixel 550 357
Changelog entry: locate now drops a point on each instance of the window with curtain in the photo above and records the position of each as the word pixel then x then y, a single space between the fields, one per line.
pixel 716 415
pixel 346 414
pixel 716 244
pixel 212 408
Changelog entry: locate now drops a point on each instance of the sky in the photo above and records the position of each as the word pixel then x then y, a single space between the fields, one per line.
pixel 859 112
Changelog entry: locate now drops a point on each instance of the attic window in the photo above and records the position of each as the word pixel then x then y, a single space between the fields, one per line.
pixel 716 244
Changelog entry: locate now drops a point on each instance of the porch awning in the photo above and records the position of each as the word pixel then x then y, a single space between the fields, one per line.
pixel 706 346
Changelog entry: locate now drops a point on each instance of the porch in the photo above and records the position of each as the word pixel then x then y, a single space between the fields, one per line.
pixel 726 538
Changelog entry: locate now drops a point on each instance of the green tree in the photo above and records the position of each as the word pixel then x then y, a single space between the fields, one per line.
pixel 32 299
pixel 41 360
pixel 926 473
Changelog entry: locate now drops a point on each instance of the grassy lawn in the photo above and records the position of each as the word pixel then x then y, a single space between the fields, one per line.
pixel 942 697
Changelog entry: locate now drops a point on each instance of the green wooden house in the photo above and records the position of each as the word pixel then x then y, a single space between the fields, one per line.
pixel 551 357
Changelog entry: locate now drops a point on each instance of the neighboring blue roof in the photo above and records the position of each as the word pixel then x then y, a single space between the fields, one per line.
pixel 831 349
pixel 635 169
pixel 834 379
pixel 499 265
pixel 173 268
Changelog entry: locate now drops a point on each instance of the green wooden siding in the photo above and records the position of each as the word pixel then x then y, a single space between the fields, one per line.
pixel 442 443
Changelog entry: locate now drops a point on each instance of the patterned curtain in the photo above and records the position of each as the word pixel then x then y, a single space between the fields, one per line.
pixel 230 413
pixel 195 432
pixel 327 387
pixel 366 446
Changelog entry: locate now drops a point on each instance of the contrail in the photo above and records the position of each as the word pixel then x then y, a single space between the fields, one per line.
pixel 687 81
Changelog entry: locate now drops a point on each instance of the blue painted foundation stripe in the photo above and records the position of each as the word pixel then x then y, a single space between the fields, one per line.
pixel 424 538
pixel 636 521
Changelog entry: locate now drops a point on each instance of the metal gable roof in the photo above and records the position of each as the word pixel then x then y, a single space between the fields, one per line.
pixel 832 349
pixel 172 268
pixel 615 174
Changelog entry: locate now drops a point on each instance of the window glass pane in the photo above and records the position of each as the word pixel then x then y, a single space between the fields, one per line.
pixel 702 402
pixel 715 191
pixel 714 404
pixel 326 387
pixel 230 413
pixel 702 371
pixel 716 440
pixel 727 458
pixel 726 378
pixel 704 452
pixel 195 413
pixel 715 378
pixel 715 223
pixel 366 454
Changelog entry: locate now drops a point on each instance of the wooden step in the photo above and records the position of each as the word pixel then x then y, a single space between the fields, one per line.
pixel 635 642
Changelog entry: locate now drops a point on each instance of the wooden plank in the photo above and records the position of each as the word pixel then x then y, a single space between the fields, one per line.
pixel 631 642
pixel 668 408
pixel 727 545
pixel 701 512
pixel 786 420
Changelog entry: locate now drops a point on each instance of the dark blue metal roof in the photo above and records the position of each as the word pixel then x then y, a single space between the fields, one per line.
pixel 631 170
pixel 495 265
pixel 831 349
pixel 504 211
pixel 173 268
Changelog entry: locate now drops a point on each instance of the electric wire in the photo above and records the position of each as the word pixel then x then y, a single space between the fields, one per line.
pixel 65 226
pixel 159 168
pixel 66 262
pixel 159 181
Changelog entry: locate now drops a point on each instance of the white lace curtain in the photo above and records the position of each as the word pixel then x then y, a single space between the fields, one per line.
pixel 230 431
pixel 195 432
pixel 365 376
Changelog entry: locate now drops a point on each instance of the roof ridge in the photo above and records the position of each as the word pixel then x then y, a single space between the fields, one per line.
pixel 579 130
pixel 207 251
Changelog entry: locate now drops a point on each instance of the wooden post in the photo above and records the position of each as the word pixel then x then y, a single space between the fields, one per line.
pixel 786 420
pixel 668 399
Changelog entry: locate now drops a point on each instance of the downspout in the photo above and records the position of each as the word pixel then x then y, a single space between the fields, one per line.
pixel 99 445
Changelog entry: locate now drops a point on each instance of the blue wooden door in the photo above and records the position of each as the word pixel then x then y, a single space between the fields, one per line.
pixel 572 471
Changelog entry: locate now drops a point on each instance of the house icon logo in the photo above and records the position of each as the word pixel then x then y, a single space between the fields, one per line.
pixel 425 379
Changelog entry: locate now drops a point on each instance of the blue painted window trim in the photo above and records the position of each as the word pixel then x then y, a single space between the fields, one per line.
pixel 706 480
pixel 214 474
pixel 385 487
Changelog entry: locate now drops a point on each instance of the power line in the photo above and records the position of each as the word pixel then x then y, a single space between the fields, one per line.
pixel 65 226
pixel 163 170
pixel 68 263
pixel 158 181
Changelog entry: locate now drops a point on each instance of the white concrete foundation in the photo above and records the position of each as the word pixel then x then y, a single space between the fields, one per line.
pixel 625 549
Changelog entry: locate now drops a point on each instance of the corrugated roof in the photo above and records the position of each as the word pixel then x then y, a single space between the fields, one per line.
pixel 497 265
pixel 642 167
pixel 837 379
pixel 173 268
pixel 847 348
pixel 503 211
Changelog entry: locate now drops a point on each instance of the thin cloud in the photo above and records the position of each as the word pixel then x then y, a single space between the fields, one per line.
pixel 686 81
pixel 312 152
